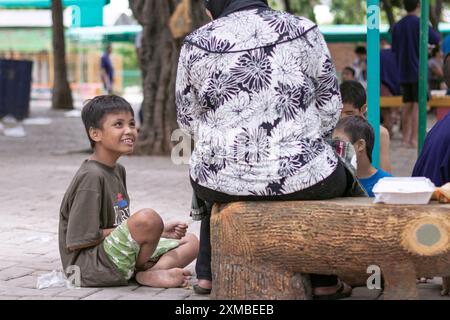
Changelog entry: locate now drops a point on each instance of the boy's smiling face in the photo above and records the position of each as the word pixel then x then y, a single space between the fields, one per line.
pixel 349 110
pixel 118 133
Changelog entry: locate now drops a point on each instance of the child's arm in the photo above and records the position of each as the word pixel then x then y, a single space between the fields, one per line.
pixel 385 158
pixel 174 230
pixel 106 232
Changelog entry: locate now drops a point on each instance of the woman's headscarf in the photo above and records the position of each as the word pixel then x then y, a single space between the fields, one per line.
pixel 220 8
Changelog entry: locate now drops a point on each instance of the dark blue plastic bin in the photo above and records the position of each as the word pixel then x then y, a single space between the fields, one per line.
pixel 15 88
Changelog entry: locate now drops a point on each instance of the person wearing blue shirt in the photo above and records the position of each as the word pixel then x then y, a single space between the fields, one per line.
pixel 107 70
pixel 360 134
pixel 405 45
pixel 389 82
pixel 434 161
pixel 446 45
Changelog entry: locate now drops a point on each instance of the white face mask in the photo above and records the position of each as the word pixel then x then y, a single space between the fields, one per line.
pixel 354 162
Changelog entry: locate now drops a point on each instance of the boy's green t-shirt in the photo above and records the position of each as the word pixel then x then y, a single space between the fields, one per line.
pixel 96 199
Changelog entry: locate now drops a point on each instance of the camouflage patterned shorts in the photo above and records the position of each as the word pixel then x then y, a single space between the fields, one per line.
pixel 123 250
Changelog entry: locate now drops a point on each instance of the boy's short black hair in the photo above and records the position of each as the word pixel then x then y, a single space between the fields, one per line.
pixel 353 72
pixel 435 51
pixel 95 110
pixel 353 92
pixel 361 50
pixel 356 128
pixel 410 5
pixel 447 69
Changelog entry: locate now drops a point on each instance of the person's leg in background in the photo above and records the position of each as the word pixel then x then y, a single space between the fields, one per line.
pixel 415 125
pixel 407 110
pixel 407 123
pixel 386 113
pixel 203 264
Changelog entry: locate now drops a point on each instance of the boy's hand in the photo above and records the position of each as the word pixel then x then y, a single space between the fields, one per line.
pixel 174 230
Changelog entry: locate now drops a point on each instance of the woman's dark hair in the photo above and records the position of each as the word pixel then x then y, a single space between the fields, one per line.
pixel 95 110
pixel 435 51
pixel 447 69
pixel 351 70
pixel 410 5
pixel 356 128
pixel 353 92
pixel 361 50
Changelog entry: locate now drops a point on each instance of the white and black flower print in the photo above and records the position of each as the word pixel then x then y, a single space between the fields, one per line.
pixel 290 166
pixel 251 145
pixel 254 33
pixel 217 182
pixel 221 88
pixel 285 141
pixel 201 169
pixel 312 173
pixel 290 100
pixel 239 109
pixel 259 90
pixel 286 65
pixel 264 102
pixel 185 114
pixel 253 70
pixel 285 24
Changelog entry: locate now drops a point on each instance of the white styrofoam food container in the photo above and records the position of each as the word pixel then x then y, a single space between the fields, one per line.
pixel 417 190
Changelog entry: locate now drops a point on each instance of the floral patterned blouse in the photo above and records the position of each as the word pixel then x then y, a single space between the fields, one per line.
pixel 258 91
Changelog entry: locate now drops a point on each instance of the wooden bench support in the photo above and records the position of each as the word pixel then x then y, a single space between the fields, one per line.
pixel 260 250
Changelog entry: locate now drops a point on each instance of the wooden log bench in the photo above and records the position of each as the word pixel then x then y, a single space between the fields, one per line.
pixel 261 249
pixel 397 101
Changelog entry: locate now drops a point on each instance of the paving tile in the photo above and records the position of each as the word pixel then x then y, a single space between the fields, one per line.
pixel 6 264
pixel 14 272
pixel 17 291
pixel 5 297
pixel 23 282
pixel 104 294
pixel 78 293
pixel 45 298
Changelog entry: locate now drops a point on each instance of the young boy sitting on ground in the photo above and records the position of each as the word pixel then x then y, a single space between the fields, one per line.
pixel 354 101
pixel 97 232
pixel 359 133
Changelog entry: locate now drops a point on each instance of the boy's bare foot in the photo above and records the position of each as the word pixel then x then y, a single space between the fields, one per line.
pixel 171 278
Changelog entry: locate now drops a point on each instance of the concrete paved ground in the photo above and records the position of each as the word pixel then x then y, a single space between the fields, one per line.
pixel 34 174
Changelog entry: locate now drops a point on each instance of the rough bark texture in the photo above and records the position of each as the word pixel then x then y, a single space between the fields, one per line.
pixel 387 6
pixel 435 14
pixel 61 95
pixel 259 249
pixel 287 6
pixel 159 60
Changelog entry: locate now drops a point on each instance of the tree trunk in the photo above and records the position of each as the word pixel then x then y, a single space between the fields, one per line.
pixel 435 14
pixel 61 96
pixel 287 6
pixel 159 60
pixel 387 6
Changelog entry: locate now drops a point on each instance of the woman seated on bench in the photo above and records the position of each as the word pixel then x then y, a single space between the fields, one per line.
pixel 258 89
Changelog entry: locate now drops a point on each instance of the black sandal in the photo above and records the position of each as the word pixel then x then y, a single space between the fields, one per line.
pixel 339 294
pixel 200 290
